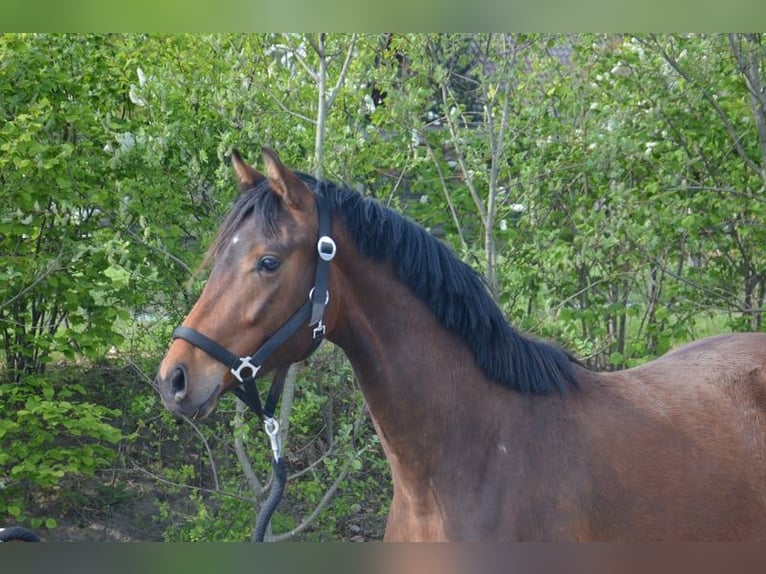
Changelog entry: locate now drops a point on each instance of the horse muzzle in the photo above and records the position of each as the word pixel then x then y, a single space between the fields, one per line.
pixel 182 398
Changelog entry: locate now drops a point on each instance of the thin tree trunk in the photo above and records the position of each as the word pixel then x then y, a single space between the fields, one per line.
pixel 325 101
pixel 748 51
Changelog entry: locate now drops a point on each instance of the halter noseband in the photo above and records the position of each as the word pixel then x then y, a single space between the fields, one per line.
pixel 245 369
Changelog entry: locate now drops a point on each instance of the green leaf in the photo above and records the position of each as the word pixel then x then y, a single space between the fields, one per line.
pixel 118 275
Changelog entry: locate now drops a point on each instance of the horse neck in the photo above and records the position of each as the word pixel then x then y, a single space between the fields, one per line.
pixel 420 382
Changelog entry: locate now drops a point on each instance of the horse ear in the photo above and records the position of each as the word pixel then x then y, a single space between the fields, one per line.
pixel 283 181
pixel 247 176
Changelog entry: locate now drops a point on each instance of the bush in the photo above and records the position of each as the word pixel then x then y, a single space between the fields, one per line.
pixel 46 434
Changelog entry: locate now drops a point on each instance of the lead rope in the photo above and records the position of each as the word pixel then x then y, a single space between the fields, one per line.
pixel 271 425
pixel 18 534
pixel 278 465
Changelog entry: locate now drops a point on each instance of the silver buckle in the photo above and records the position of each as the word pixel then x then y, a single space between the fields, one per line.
pixel 245 364
pixel 326 242
pixel 320 330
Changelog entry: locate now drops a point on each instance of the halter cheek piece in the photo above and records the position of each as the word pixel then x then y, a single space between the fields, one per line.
pixel 245 369
pixel 311 313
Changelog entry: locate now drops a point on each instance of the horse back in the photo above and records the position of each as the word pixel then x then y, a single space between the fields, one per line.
pixel 679 444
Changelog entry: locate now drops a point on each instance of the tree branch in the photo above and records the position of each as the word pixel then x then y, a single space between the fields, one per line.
pixel 288 110
pixel 140 241
pixel 301 61
pixel 163 480
pixel 722 115
pixel 242 457
pixel 461 158
pixel 321 504
pixel 52 267
pixel 447 195
pixel 317 48
pixel 750 69
pixel 344 70
pixel 207 448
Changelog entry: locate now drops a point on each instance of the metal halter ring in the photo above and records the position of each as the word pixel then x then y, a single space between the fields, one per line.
pixel 326 248
pixel 326 298
pixel 245 364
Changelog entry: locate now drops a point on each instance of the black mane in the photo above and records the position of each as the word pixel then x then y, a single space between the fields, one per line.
pixel 456 294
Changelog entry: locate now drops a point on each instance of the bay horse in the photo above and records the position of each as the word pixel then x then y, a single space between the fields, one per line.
pixel 490 434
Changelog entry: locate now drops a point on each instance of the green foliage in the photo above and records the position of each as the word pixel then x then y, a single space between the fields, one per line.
pixel 55 251
pixel 609 186
pixel 47 433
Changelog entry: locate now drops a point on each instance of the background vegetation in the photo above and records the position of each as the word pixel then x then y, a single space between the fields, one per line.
pixel 610 187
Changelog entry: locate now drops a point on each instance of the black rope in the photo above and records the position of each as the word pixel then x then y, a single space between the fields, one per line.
pixel 18 534
pixel 270 504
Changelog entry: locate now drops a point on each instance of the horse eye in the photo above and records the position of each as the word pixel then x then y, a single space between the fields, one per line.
pixel 268 263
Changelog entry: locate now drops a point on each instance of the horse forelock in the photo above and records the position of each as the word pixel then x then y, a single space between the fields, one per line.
pixel 454 292
pixel 260 203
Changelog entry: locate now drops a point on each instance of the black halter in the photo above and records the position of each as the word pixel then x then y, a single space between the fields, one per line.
pixel 245 369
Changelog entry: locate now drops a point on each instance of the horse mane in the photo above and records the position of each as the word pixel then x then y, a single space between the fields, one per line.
pixel 454 292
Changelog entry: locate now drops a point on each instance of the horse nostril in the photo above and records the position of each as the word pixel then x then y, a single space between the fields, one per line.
pixel 178 383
